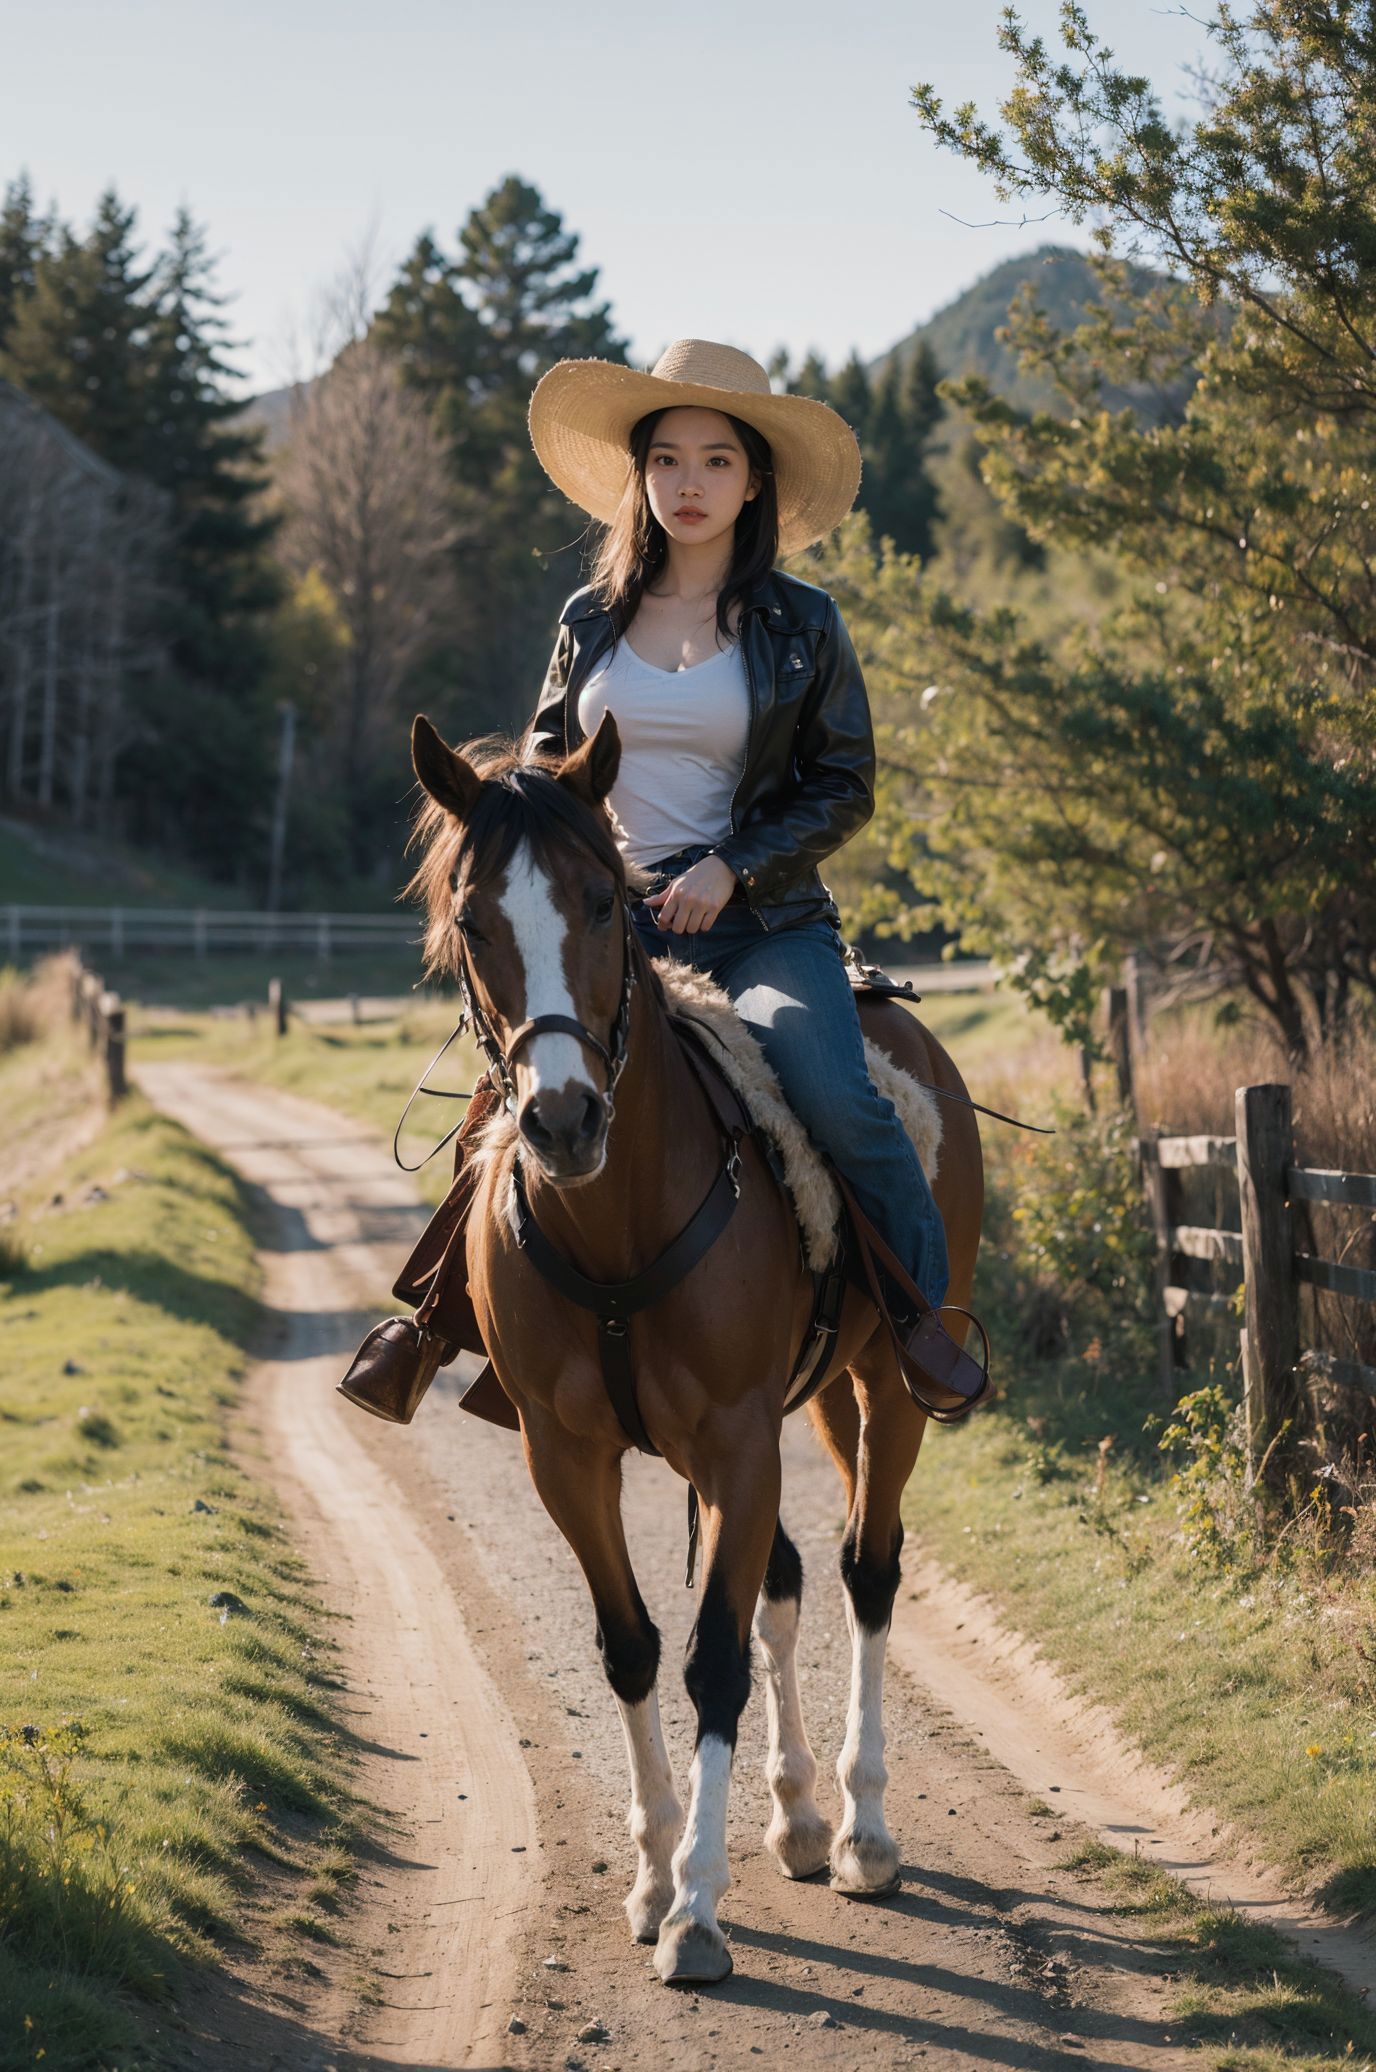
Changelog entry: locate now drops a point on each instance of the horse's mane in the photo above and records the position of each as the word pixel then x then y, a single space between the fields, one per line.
pixel 521 800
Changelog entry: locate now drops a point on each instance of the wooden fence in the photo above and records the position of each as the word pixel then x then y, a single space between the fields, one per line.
pixel 1261 1257
pixel 102 1014
pixel 116 931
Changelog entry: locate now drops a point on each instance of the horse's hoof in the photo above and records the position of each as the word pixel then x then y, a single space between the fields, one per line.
pixel 645 1910
pixel 691 1954
pixel 895 1884
pixel 800 1848
pixel 865 1867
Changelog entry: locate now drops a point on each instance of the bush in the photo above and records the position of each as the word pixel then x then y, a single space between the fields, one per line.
pixel 1077 1241
pixel 20 1021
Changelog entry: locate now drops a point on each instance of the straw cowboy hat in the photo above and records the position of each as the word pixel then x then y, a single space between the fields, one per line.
pixel 582 411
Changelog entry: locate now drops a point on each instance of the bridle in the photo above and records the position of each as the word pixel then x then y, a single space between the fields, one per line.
pixel 501 1060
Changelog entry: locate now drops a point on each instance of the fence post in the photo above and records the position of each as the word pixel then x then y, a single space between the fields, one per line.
pixel 1120 1041
pixel 91 990
pixel 15 934
pixel 1160 1185
pixel 1265 1147
pixel 198 933
pixel 277 1005
pixel 322 938
pixel 112 1022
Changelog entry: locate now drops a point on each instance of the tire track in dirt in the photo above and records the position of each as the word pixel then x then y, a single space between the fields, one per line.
pixel 471 1663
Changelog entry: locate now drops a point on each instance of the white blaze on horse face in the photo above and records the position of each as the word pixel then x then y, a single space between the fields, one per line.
pixel 549 1062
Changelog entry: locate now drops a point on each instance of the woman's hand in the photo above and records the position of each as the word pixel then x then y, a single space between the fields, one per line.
pixel 695 898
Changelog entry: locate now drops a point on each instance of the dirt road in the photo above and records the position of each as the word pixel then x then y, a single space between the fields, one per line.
pixel 491 1917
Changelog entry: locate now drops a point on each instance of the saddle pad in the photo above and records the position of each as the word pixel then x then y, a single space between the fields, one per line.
pixel 815 1198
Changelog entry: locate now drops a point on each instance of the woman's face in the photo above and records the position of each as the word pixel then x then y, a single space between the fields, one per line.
pixel 696 475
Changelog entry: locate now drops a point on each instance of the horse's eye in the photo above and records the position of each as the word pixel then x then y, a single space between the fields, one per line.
pixel 470 930
pixel 604 908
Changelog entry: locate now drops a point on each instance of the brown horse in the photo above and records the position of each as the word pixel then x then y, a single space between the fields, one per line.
pixel 527 898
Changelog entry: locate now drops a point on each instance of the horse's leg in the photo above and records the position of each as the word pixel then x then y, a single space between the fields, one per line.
pixel 864 1856
pixel 738 1485
pixel 582 1494
pixel 799 1836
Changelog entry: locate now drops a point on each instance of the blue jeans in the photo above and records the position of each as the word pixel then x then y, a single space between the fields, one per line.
pixel 790 987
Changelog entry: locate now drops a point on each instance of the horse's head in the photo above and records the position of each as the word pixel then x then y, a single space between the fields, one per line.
pixel 526 898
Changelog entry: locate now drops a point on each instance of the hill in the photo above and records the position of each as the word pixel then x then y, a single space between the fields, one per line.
pixel 963 336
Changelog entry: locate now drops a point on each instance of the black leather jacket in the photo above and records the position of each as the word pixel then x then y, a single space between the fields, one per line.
pixel 807 782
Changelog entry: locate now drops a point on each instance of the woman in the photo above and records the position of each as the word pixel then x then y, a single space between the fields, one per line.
pixel 747 758
pixel 747 746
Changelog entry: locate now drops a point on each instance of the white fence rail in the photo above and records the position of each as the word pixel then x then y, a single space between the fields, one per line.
pixel 203 931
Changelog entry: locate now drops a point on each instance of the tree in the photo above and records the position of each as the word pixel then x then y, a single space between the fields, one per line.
pixel 1241 671
pixel 78 341
pixel 365 488
pixel 899 492
pixel 210 463
pixel 24 238
pixel 473 334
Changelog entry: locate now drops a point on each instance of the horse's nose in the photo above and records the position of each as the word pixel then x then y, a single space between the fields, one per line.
pixel 563 1128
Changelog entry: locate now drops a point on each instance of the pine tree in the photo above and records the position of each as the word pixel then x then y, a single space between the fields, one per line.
pixel 24 238
pixel 208 461
pixel 221 583
pixel 897 489
pixel 78 341
pixel 476 333
pixel 850 393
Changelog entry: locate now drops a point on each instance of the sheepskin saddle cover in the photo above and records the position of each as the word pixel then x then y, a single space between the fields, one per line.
pixel 815 1197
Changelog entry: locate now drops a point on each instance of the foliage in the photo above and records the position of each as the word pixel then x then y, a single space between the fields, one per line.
pixel 473 332
pixel 131 357
pixel 1244 668
pixel 367 537
pixel 895 417
pixel 19 1018
pixel 1205 1434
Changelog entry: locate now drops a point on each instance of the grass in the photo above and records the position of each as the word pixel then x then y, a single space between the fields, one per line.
pixel 1240 1991
pixel 44 865
pixel 159 1754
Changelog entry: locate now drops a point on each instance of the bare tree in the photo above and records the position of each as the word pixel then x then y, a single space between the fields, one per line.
pixel 366 490
pixel 81 549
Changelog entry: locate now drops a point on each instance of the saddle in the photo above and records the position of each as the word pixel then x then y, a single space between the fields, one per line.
pixel 400 1357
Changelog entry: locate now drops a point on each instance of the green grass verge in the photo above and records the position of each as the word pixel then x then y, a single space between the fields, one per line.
pixel 159 1753
pixel 1239 1993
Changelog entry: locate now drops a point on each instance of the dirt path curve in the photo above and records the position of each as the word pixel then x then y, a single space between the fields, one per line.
pixel 472 1671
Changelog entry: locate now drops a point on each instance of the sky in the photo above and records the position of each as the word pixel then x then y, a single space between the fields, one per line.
pixel 746 172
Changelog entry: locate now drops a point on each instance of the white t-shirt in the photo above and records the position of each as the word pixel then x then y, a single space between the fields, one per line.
pixel 683 738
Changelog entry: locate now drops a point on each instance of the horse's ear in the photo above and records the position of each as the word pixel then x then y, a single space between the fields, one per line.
pixel 450 781
pixel 591 769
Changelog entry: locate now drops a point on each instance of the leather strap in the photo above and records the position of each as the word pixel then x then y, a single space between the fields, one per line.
pixel 871 1243
pixel 557 1025
pixel 614 1303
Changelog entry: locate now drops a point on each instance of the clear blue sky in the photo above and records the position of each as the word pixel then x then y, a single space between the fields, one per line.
pixel 744 171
